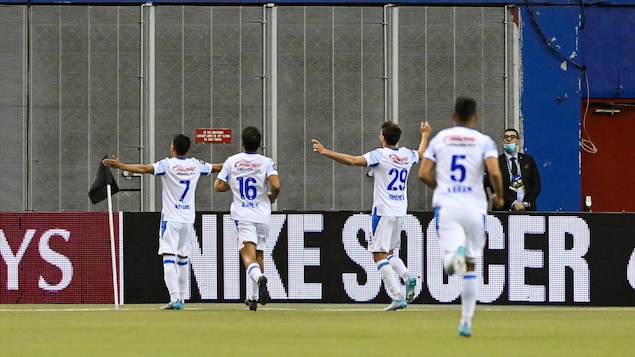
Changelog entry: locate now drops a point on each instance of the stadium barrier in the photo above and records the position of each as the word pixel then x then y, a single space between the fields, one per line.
pixel 540 258
pixel 57 257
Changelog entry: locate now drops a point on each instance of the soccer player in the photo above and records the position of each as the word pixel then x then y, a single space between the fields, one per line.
pixel 460 155
pixel 179 177
pixel 248 174
pixel 391 166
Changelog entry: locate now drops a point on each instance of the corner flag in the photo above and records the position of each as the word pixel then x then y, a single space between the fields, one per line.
pixel 103 178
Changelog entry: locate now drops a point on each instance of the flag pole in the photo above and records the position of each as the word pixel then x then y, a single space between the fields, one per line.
pixel 112 248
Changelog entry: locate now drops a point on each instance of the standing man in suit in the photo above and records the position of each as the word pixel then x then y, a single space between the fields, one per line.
pixel 521 179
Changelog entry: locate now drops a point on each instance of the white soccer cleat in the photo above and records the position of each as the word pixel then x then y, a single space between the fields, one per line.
pixel 396 305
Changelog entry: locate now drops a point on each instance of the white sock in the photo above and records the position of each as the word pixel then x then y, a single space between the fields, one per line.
pixel 468 297
pixel 169 276
pixel 254 289
pixel 388 276
pixel 253 270
pixel 182 275
pixel 399 267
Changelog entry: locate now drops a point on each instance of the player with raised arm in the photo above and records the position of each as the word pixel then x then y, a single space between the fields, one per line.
pixel 179 177
pixel 459 156
pixel 247 175
pixel 391 167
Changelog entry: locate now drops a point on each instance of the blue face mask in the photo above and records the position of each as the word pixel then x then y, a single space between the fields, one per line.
pixel 510 148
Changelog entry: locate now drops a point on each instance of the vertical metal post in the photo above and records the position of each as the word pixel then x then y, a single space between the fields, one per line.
pixel 142 43
pixel 27 132
pixel 270 83
pixel 149 196
pixel 391 63
pixel 394 61
pixel 506 66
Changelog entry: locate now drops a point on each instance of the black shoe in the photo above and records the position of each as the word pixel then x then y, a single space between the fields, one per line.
pixel 262 290
pixel 253 304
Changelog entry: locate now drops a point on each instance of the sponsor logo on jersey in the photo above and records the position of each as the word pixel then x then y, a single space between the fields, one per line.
pixel 246 165
pixel 180 169
pixel 458 140
pixel 398 159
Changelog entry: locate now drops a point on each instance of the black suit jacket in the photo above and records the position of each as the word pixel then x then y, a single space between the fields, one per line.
pixel 531 179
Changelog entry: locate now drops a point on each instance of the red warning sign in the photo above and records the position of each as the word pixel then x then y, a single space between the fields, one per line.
pixel 213 135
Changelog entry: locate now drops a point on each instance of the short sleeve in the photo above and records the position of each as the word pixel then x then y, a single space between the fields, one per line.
pixel 160 167
pixel 223 175
pixel 430 152
pixel 204 167
pixel 373 158
pixel 490 148
pixel 415 156
pixel 272 169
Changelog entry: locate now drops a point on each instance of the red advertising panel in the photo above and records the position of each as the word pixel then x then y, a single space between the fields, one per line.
pixel 214 135
pixel 56 257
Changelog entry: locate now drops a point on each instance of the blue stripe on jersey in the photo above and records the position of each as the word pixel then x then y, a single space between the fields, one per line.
pixel 436 217
pixel 469 276
pixel 169 261
pixel 390 257
pixel 182 263
pixel 375 221
pixel 382 265
pixel 164 226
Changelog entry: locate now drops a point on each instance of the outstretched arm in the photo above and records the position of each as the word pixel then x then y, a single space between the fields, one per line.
pixel 338 156
pixel 426 129
pixel 425 172
pixel 136 168
pixel 216 167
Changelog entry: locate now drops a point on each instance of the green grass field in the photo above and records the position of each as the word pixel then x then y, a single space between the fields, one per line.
pixel 313 330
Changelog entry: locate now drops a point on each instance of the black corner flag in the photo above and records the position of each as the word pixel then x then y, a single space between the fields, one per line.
pixel 103 177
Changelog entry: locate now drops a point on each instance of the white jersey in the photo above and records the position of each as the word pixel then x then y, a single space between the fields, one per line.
pixel 390 173
pixel 459 154
pixel 179 177
pixel 247 174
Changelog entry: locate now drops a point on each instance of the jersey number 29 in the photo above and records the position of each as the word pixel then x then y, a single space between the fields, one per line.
pixel 397 175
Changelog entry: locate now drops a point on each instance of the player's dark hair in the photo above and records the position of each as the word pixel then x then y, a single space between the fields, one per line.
pixel 251 139
pixel 464 108
pixel 512 129
pixel 391 132
pixel 181 144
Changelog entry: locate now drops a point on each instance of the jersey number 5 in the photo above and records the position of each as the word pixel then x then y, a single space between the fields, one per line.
pixel 457 166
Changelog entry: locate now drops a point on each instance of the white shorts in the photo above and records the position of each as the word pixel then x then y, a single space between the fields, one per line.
pixel 175 238
pixel 460 227
pixel 256 233
pixel 386 233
